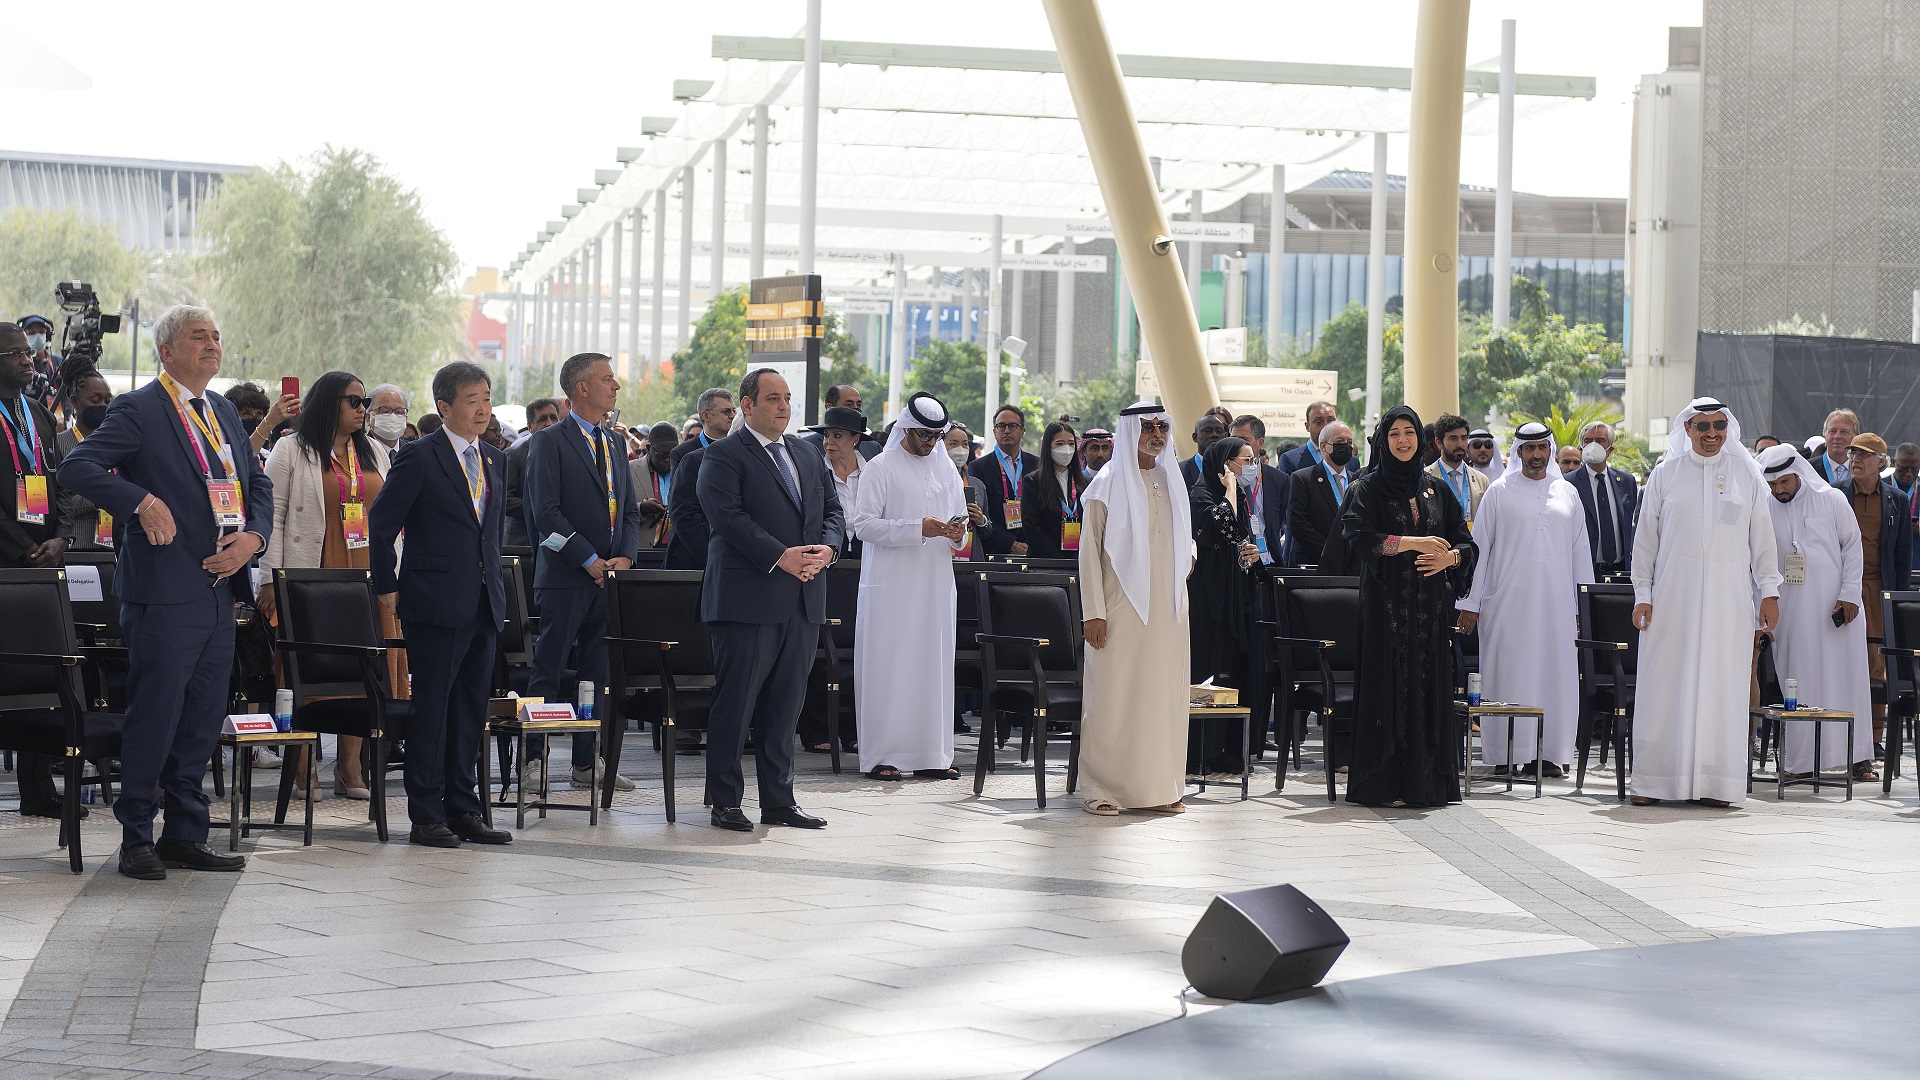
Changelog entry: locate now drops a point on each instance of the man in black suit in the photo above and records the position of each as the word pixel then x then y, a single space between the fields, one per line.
pixel 1207 430
pixel 584 521
pixel 716 410
pixel 542 413
pixel 687 543
pixel 447 490
pixel 1267 502
pixel 173 462
pixel 1313 507
pixel 776 524
pixel 1610 498
pixel 1000 472
pixel 844 396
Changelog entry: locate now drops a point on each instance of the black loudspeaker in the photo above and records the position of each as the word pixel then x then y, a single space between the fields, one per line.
pixel 1259 943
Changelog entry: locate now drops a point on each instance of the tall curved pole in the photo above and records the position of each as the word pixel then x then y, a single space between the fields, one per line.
pixel 1433 208
pixel 1147 252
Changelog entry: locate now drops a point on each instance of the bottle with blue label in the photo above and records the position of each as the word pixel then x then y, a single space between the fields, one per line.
pixel 1790 689
pixel 1473 689
pixel 584 708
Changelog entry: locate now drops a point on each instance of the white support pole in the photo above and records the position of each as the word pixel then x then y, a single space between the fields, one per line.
pixel 1503 186
pixel 717 272
pixel 1063 321
pixel 596 337
pixel 810 137
pixel 757 261
pixel 1277 265
pixel 966 306
pixel 569 299
pixel 543 328
pixel 682 328
pixel 897 349
pixel 634 363
pixel 995 300
pixel 1017 307
pixel 617 251
pixel 658 355
pixel 1377 281
pixel 512 357
pixel 1193 254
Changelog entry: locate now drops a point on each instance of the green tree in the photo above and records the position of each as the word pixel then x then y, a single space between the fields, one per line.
pixel 39 248
pixel 333 266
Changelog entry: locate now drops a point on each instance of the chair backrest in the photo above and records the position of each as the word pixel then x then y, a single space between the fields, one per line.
pixel 842 581
pixel 38 620
pixel 330 607
pixel 650 558
pixel 1324 607
pixel 1052 566
pixel 966 606
pixel 1606 614
pixel 106 610
pixel 525 555
pixel 1900 616
pixel 1026 604
pixel 516 642
pixel 658 605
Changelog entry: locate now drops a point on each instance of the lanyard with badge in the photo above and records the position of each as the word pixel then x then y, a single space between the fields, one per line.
pixel 602 450
pixel 30 503
pixel 229 509
pixel 1010 487
pixel 353 510
pixel 1070 522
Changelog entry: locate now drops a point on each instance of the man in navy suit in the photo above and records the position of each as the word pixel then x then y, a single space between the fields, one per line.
pixel 1000 473
pixel 1319 415
pixel 776 524
pixel 448 490
pixel 583 520
pixel 687 546
pixel 1610 498
pixel 174 461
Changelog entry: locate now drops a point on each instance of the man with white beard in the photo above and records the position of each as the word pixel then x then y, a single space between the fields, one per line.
pixel 1820 571
pixel 1534 556
pixel 1703 548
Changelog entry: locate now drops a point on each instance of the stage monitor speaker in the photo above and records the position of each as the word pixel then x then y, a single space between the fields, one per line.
pixel 1259 943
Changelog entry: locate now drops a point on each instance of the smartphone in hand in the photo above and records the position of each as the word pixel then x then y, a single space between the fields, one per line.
pixel 290 386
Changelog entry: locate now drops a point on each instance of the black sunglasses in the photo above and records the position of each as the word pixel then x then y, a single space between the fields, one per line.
pixel 1155 427
pixel 1480 444
pixel 355 401
pixel 1704 426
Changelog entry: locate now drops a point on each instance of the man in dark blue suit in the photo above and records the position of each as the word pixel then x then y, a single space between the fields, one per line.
pixel 174 461
pixel 448 491
pixel 583 520
pixel 687 546
pixel 1001 472
pixel 776 524
pixel 1610 498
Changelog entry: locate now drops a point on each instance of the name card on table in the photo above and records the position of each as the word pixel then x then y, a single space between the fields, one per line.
pixel 538 711
pixel 247 724
pixel 83 584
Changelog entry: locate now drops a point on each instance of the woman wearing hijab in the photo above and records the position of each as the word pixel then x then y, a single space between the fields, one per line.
pixel 1050 496
pixel 1220 591
pixel 1407 535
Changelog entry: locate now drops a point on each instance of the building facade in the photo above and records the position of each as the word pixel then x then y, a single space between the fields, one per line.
pixel 155 205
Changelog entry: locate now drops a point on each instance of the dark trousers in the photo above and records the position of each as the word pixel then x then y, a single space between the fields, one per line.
pixel 760 674
pixel 452 670
pixel 573 626
pixel 179 665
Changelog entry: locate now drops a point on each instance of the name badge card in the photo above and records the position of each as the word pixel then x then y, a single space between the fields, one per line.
pixel 225 497
pixel 1795 570
pixel 1266 556
pixel 1013 513
pixel 30 500
pixel 247 723
pixel 353 522
pixel 1070 536
pixel 103 530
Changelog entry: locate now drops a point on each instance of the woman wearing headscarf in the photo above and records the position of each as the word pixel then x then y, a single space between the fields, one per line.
pixel 1409 538
pixel 1220 592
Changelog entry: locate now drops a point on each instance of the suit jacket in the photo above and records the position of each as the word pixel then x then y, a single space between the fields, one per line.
pixel 999 538
pixel 1040 508
pixel 870 447
pixel 687 547
pixel 754 522
pixel 1295 459
pixel 452 556
pixel 517 491
pixel 1477 484
pixel 1312 514
pixel 688 446
pixel 1896 539
pixel 640 478
pixel 143 439
pixel 1626 501
pixel 566 494
pixel 1190 471
pixel 17 537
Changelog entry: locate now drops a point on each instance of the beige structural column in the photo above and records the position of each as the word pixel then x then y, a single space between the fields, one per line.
pixel 1141 235
pixel 1433 208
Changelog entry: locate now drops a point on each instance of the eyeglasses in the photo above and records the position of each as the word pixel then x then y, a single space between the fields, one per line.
pixel 355 401
pixel 1854 451
pixel 925 435
pixel 390 410
pixel 1155 427
pixel 1704 426
pixel 1010 425
pixel 15 354
pixel 1480 444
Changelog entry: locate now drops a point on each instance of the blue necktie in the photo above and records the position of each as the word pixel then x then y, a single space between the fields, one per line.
pixel 786 474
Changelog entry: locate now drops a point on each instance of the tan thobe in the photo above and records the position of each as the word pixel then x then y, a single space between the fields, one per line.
pixel 1133 745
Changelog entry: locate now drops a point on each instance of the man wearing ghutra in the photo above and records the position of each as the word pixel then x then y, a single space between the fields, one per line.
pixel 911 517
pixel 1703 547
pixel 1135 551
pixel 1532 535
pixel 1820 573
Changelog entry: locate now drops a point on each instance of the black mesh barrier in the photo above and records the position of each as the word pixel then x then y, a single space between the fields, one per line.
pixel 1785 386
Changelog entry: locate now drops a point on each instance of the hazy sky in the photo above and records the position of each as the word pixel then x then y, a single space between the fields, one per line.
pixel 496 112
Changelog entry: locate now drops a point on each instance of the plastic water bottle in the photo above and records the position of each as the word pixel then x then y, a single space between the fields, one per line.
pixel 1473 689
pixel 584 710
pixel 283 710
pixel 1791 688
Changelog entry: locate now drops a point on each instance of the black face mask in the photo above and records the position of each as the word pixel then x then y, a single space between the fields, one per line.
pixel 249 423
pixel 1340 454
pixel 93 416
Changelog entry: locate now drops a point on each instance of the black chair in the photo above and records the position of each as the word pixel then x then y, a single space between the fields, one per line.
pixel 1609 664
pixel 1030 635
pixel 98 623
pixel 1900 615
pixel 833 660
pixel 335 658
pixel 1317 651
pixel 42 710
pixel 967 675
pixel 657 650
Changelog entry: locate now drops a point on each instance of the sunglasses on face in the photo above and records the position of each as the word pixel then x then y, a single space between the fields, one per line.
pixel 1155 427
pixel 1704 426
pixel 355 401
pixel 925 435
pixel 1480 444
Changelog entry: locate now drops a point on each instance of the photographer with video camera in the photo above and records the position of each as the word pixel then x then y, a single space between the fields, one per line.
pixel 44 387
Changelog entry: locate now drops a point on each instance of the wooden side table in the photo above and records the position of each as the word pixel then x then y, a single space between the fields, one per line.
pixel 1778 718
pixel 1243 714
pixel 511 726
pixel 1490 709
pixel 240 793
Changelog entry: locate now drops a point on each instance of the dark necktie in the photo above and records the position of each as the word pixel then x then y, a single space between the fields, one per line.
pixel 1603 492
pixel 786 474
pixel 600 453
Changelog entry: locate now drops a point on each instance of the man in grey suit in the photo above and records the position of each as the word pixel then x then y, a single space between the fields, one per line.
pixel 776 524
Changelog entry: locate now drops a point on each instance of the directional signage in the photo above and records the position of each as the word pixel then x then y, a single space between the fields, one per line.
pixel 1278 396
pixel 920 294
pixel 1092 264
pixel 862 307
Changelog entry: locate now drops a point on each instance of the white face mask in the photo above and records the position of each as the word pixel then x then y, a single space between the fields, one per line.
pixel 1062 455
pixel 388 427
pixel 1248 474
pixel 958 454
pixel 1594 454
pixel 37 342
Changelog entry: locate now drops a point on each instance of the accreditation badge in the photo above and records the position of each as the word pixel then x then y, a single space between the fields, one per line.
pixel 30 500
pixel 103 530
pixel 1794 572
pixel 1070 536
pixel 1013 513
pixel 224 495
pixel 353 522
pixel 1266 557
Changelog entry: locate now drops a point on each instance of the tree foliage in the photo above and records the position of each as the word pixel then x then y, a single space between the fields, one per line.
pixel 39 248
pixel 333 266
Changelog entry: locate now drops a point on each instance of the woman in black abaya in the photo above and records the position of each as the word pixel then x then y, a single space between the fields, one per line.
pixel 1408 538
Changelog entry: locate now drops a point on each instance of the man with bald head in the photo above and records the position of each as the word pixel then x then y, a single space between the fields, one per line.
pixel 1313 505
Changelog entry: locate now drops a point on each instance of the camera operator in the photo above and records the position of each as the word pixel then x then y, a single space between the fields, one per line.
pixel 44 387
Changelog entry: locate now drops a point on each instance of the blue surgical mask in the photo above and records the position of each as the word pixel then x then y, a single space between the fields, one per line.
pixel 1249 474
pixel 37 342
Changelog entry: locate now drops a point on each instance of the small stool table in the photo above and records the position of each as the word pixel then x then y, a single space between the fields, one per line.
pixel 1241 713
pixel 240 793
pixel 1777 718
pixel 511 726
pixel 1489 709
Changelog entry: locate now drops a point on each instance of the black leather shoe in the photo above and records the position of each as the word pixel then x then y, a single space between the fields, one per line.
pixel 792 816
pixel 139 861
pixel 181 855
pixel 474 829
pixel 433 834
pixel 730 817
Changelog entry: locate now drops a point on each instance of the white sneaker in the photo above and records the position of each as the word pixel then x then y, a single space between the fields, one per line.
pixel 530 778
pixel 583 779
pixel 265 758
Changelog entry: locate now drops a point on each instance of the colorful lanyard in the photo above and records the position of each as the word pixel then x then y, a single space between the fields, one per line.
pixel 1009 474
pixel 1070 508
pixel 476 489
pixel 613 512
pixel 16 441
pixel 190 419
pixel 349 481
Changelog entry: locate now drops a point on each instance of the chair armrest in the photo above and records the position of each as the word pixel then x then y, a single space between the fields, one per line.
pixel 396 643
pixel 104 652
pixel 833 622
pixel 644 643
pixel 1304 643
pixel 1888 650
pixel 91 627
pixel 325 649
pixel 42 659
pixel 1009 639
pixel 1600 646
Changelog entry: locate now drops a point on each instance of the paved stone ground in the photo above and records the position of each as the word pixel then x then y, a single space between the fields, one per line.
pixel 927 933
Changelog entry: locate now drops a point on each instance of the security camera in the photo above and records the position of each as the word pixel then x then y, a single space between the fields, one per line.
pixel 1015 347
pixel 1162 245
